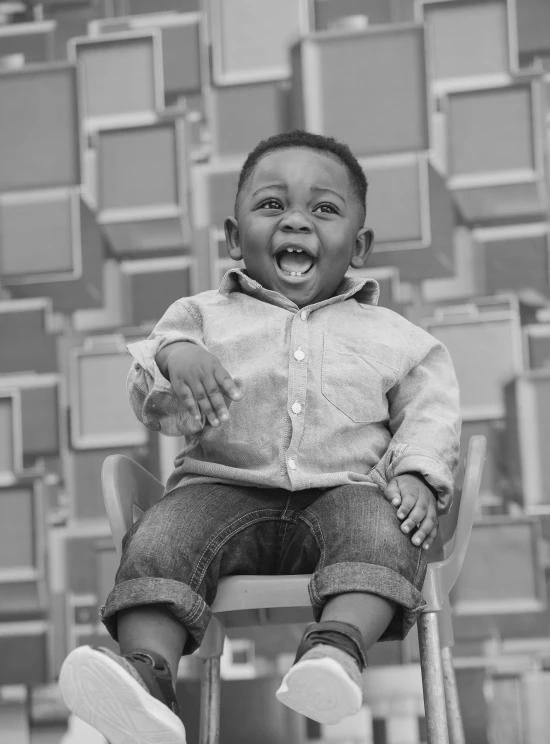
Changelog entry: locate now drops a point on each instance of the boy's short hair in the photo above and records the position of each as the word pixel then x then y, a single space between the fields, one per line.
pixel 301 138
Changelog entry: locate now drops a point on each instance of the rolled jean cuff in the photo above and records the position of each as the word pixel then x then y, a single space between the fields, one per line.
pixel 340 578
pixel 188 607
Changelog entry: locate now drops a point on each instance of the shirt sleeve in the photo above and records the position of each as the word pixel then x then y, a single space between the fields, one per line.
pixel 151 395
pixel 425 423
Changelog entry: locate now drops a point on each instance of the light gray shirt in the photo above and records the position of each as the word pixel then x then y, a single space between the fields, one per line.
pixel 341 391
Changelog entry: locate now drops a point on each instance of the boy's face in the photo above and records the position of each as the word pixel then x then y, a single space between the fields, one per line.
pixel 299 225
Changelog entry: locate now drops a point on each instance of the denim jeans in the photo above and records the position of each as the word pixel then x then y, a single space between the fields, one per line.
pixel 348 537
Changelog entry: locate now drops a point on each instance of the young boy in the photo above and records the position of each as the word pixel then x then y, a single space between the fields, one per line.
pixel 321 435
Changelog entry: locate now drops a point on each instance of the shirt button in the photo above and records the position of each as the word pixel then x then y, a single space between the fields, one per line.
pixel 296 407
pixel 299 355
pixel 303 315
pixel 292 464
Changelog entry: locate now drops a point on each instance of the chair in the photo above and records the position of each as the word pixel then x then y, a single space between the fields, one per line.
pixel 129 490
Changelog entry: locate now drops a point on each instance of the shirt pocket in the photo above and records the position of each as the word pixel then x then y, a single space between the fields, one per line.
pixel 356 375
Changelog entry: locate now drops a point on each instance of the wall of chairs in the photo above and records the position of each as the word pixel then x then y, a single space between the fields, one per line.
pixel 123 126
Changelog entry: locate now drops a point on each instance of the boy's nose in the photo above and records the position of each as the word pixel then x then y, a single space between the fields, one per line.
pixel 295 221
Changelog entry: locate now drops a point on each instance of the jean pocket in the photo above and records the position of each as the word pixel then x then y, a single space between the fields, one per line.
pixel 356 376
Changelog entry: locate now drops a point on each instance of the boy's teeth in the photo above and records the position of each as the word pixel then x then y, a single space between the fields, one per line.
pixel 294 261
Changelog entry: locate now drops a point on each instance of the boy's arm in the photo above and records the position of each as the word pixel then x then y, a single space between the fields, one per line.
pixel 152 397
pixel 425 422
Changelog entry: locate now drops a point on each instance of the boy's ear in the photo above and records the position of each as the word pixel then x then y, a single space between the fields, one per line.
pixel 232 238
pixel 364 243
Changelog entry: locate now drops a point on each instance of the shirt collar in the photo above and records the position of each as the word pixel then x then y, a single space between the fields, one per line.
pixel 366 291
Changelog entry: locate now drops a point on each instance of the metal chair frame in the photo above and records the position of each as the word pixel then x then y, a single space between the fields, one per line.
pixel 129 490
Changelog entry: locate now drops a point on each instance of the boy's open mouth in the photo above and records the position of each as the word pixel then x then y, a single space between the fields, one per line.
pixel 294 261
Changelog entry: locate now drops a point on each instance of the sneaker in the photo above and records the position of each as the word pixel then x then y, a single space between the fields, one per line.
pixel 129 699
pixel 324 685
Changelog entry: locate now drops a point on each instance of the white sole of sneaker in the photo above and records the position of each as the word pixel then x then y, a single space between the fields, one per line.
pixel 321 690
pixel 100 692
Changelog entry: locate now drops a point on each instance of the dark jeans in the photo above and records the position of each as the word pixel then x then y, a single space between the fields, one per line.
pixel 348 537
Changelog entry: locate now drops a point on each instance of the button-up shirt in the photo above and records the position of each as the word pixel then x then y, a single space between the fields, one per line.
pixel 340 391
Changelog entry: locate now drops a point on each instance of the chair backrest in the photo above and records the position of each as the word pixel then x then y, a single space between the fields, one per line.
pixel 128 490
pixel 445 540
pixel 442 574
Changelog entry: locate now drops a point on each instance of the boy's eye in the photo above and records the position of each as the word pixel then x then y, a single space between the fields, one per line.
pixel 326 208
pixel 271 204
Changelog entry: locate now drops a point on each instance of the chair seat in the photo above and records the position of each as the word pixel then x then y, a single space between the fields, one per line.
pixel 253 592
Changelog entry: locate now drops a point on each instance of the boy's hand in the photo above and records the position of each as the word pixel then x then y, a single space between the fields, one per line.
pixel 416 507
pixel 199 380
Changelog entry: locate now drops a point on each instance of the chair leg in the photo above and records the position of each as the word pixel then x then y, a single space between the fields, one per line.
pixel 210 651
pixel 210 701
pixel 454 716
pixel 432 679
